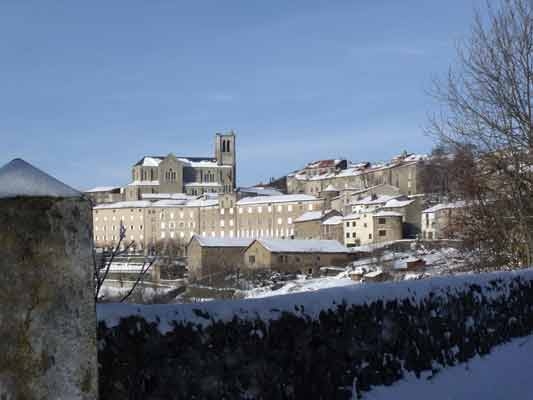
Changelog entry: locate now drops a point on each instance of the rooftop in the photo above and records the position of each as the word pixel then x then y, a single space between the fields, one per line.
pixel 222 242
pixel 302 246
pixel 276 199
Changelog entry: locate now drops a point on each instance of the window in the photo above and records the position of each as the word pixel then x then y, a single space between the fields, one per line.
pixel 222 223
pixel 310 207
pixel 382 233
pixel 347 235
pixel 221 211
pixel 259 210
pixel 370 236
pixel 382 221
pixel 251 259
pixel 353 223
pixel 289 207
pixel 289 220
pixel 280 221
pixel 353 235
pixel 347 224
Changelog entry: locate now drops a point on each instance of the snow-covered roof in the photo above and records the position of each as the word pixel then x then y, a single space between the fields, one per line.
pixel 196 162
pixel 125 204
pixel 222 242
pixel 373 274
pixel 103 189
pixel 150 161
pixel 331 188
pixel 169 203
pixel 387 214
pixel 144 183
pixel 19 178
pixel 260 191
pixel 285 198
pixel 445 206
pixel 161 196
pixel 372 200
pixel 352 216
pixel 335 220
pixel 203 184
pixel 202 203
pixel 302 246
pixel 309 216
pixel 396 203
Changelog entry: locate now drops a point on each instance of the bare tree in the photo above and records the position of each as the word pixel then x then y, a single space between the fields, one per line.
pixel 487 115
pixel 102 268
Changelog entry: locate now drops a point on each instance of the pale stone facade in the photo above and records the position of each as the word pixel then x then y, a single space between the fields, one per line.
pixel 371 227
pixel 147 222
pixel 401 172
pixel 215 256
pixel 438 222
pixel 301 256
pixel 190 175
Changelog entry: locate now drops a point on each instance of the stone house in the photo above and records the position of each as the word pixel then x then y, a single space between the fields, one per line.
pixel 401 172
pixel 298 256
pixel 207 256
pixel 372 227
pixel 332 229
pixel 309 224
pixel 439 221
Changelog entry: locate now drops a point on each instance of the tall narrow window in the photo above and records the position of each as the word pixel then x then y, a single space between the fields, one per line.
pixel 223 146
pixel 228 146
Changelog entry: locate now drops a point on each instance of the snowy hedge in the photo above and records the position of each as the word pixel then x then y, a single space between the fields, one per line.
pixel 308 345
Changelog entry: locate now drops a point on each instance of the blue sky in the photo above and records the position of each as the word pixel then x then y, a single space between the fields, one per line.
pixel 87 88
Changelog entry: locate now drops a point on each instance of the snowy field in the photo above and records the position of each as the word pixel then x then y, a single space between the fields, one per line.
pixel 504 374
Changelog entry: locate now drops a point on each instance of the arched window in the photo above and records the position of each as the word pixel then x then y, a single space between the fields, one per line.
pixel 223 146
pixel 228 146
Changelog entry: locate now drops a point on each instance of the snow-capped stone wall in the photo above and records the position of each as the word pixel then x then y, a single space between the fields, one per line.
pixel 47 311
pixel 309 345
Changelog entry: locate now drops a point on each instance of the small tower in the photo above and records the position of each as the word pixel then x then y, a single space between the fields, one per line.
pixel 225 148
pixel 226 154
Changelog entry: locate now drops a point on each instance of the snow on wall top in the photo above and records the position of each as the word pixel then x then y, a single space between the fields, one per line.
pixel 302 246
pixel 19 178
pixel 313 302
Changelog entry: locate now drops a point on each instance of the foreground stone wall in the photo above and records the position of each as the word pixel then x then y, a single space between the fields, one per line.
pixel 47 313
pixel 301 357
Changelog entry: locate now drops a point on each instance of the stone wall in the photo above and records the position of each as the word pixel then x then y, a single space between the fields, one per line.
pixel 314 356
pixel 47 312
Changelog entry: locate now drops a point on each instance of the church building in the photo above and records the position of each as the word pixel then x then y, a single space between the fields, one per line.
pixel 190 175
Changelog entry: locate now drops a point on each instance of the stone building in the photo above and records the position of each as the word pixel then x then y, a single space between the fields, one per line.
pixel 146 222
pixel 207 256
pixel 190 175
pixel 371 227
pixel 309 224
pixel 402 172
pixel 105 194
pixel 439 221
pixel 332 229
pixel 300 256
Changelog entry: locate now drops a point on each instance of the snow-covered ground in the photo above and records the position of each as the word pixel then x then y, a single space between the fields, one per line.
pixel 504 374
pixel 301 284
